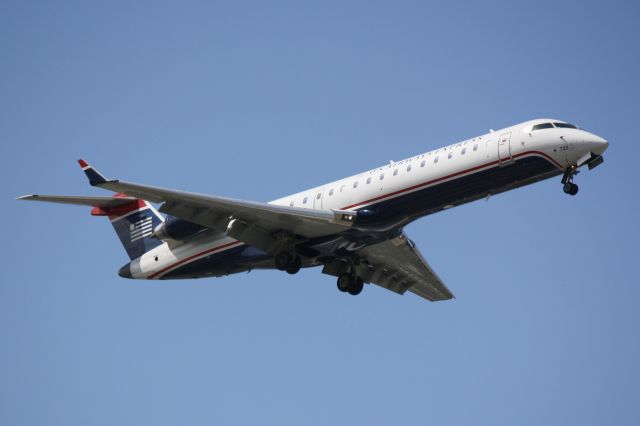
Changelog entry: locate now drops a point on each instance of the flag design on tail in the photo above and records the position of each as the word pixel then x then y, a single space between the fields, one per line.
pixel 141 229
pixel 134 223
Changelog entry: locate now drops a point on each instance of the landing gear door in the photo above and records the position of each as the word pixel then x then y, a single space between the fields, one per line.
pixel 504 148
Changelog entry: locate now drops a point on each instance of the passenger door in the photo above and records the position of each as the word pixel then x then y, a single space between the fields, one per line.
pixel 504 148
pixel 317 199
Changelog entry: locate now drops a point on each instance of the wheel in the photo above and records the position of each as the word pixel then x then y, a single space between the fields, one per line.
pixel 570 188
pixel 344 282
pixel 282 260
pixel 356 286
pixel 574 189
pixel 294 266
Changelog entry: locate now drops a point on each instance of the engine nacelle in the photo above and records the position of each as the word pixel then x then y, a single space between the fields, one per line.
pixel 177 229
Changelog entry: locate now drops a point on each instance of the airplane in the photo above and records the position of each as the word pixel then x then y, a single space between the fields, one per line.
pixel 353 227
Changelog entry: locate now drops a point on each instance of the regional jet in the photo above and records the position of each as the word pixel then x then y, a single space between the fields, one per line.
pixel 352 228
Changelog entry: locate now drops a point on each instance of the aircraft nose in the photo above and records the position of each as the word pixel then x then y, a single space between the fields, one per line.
pixel 125 271
pixel 599 145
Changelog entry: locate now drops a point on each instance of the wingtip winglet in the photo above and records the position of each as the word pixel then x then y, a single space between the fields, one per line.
pixel 95 177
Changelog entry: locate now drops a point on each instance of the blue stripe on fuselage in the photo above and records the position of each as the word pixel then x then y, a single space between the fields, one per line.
pixel 400 210
pixel 237 259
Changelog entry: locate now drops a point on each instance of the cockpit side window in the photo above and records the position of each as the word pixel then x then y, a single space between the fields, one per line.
pixel 542 126
pixel 565 125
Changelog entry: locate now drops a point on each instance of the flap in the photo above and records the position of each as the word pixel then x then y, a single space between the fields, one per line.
pixel 397 265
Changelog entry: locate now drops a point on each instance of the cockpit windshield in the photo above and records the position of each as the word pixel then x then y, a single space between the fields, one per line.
pixel 552 125
pixel 542 126
pixel 565 125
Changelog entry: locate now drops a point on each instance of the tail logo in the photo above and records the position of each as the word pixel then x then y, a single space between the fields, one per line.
pixel 141 229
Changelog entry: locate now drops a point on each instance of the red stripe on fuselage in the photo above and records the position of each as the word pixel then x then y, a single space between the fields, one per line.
pixel 192 257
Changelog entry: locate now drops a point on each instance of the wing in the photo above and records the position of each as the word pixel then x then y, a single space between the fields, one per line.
pixel 252 222
pixel 80 200
pixel 397 265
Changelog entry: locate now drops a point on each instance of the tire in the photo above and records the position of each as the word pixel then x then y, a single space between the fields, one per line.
pixel 356 287
pixel 574 189
pixel 282 260
pixel 294 266
pixel 567 187
pixel 344 282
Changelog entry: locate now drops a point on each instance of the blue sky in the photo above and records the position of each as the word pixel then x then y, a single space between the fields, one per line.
pixel 258 100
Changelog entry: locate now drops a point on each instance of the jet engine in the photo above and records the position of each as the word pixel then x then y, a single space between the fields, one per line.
pixel 177 229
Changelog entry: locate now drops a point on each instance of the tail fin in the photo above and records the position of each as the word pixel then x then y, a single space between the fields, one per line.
pixel 134 223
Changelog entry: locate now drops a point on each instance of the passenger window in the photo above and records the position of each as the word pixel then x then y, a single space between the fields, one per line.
pixel 409 168
pixel 542 126
pixel 422 163
pixel 435 160
pixel 368 180
pixel 305 200
pixel 319 195
pixel 331 192
pixel 395 172
pixel 382 176
pixel 463 151
pixel 475 147
pixel 450 155
pixel 355 184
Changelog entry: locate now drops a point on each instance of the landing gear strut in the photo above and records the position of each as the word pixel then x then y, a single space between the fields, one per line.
pixel 287 261
pixel 567 180
pixel 352 284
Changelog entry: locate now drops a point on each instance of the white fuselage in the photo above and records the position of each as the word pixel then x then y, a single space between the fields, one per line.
pixel 562 147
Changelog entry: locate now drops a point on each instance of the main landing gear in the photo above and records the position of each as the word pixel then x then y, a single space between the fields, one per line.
pixel 349 283
pixel 567 180
pixel 288 261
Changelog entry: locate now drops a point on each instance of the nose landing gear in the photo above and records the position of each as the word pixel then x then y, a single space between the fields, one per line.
pixel 567 180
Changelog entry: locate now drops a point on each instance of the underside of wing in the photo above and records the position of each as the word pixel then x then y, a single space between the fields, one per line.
pixel 397 265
